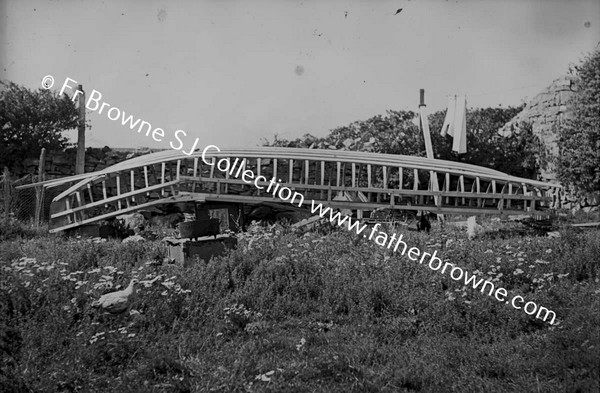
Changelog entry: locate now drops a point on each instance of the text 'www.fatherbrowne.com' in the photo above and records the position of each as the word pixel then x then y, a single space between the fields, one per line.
pixel 238 169
pixel 456 273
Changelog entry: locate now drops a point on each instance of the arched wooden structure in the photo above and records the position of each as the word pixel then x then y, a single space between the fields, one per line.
pixel 341 179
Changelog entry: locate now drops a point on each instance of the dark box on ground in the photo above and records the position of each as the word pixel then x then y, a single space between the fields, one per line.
pixel 186 251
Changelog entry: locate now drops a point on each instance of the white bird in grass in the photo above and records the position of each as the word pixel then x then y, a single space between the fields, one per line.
pixel 473 228
pixel 116 302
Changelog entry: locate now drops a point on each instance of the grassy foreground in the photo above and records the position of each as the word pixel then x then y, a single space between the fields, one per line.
pixel 299 312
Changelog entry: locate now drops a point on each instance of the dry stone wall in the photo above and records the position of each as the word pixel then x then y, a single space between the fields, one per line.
pixel 62 163
pixel 546 112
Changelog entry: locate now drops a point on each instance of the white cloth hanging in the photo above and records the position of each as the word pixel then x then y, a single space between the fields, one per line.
pixel 447 127
pixel 455 123
pixel 459 144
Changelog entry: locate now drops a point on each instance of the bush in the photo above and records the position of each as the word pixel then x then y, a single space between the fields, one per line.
pixel 578 162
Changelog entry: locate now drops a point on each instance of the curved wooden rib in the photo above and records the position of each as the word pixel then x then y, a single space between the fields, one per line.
pixel 341 179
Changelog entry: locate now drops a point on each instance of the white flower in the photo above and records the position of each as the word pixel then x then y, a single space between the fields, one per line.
pixel 301 345
pixel 266 377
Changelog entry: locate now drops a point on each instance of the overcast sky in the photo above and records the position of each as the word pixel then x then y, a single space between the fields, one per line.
pixel 232 72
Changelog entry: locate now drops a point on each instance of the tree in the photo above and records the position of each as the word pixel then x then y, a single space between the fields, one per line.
pixel 578 162
pixel 518 154
pixel 397 133
pixel 30 120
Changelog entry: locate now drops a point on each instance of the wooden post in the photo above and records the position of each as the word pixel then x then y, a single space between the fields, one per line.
pixel 39 194
pixel 433 180
pixel 6 182
pixel 425 125
pixel 80 162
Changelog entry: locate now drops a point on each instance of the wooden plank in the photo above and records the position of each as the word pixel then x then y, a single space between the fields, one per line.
pixel 68 206
pixel 478 191
pixel 118 180
pixel 195 172
pixel 436 199
pixel 400 178
pixel 132 184
pixel 163 167
pixel 369 183
pixel 145 179
pixel 291 170
pixel 416 179
pixel 104 194
pixel 316 187
pixel 212 167
pixel 322 177
pixel 111 199
pixel 333 156
pixel 90 193
pixel 426 134
pixel 306 171
pixel 126 210
pixel 385 181
pixel 79 202
pixel 501 199
pixel 447 186
pixel 275 169
pixel 338 177
pixel 258 166
pixel 416 186
pixel 461 181
pixel 226 184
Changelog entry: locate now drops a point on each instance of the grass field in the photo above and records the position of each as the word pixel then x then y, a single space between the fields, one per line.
pixel 322 311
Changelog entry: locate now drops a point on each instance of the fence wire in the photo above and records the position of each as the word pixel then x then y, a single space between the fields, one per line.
pixel 31 205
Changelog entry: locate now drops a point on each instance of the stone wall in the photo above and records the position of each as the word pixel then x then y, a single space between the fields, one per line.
pixel 546 112
pixel 62 163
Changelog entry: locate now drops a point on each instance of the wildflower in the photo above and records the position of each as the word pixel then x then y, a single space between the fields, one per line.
pixel 488 252
pixel 517 272
pixel 549 251
pixel 301 345
pixel 540 261
pixel 266 377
